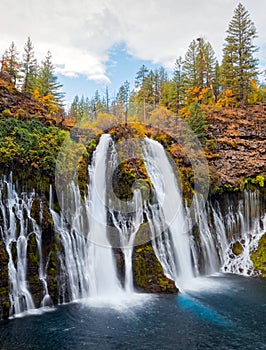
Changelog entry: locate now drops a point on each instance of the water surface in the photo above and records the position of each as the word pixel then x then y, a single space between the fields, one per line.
pixel 220 312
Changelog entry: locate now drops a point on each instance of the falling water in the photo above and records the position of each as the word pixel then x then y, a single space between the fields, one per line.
pixel 103 279
pixel 17 227
pixel 127 216
pixel 246 226
pixel 127 225
pixel 219 230
pixel 170 201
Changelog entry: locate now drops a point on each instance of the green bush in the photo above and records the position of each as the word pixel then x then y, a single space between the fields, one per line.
pixel 30 143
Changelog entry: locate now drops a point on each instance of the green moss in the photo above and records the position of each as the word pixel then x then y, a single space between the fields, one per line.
pixel 225 188
pixel 148 272
pixel 129 175
pixel 237 248
pixel 29 144
pixel 35 210
pixel 252 183
pixel 7 113
pixel 258 256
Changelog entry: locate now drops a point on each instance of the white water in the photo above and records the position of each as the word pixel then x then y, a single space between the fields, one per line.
pixel 247 226
pixel 17 227
pixel 172 213
pixel 128 225
pixel 103 279
pixel 127 216
pixel 244 223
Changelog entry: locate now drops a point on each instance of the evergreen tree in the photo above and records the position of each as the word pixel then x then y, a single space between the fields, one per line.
pixel 173 90
pixel 29 68
pixel 199 67
pixel 190 66
pixel 141 84
pixel 178 85
pixel 217 80
pixel 73 111
pixel 12 65
pixel 123 98
pixel 47 82
pixel 239 65
pixel 4 61
pixel 196 121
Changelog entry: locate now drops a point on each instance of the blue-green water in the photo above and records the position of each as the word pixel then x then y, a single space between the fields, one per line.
pixel 227 312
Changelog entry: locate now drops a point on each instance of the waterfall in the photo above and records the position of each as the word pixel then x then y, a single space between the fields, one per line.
pixel 221 228
pixel 171 214
pixel 208 248
pixel 212 236
pixel 103 279
pixel 17 228
pixel 127 225
pixel 246 225
pixel 127 216
pixel 73 281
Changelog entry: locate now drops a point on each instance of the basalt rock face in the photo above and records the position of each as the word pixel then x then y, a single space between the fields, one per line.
pixel 14 103
pixel 237 144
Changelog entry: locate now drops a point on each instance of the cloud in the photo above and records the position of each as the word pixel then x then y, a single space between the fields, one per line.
pixel 81 33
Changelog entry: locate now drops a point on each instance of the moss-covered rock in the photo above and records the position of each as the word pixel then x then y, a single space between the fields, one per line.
pixel 53 268
pixel 33 265
pixel 258 257
pixel 237 248
pixel 4 287
pixel 148 273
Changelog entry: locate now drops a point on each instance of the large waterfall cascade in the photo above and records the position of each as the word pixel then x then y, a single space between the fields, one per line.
pixel 87 262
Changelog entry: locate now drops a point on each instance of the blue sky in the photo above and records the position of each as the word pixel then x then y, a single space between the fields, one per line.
pixel 120 67
pixel 95 43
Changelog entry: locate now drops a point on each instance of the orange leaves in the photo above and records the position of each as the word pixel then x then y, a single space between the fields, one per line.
pixel 47 100
pixel 226 99
pixel 199 93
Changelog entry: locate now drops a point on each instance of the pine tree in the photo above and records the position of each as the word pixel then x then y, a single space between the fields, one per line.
pixel 173 90
pixel 239 66
pixel 178 84
pixel 4 61
pixel 199 68
pixel 190 66
pixel 29 68
pixel 196 121
pixel 141 84
pixel 73 111
pixel 47 82
pixel 123 98
pixel 12 65
pixel 217 80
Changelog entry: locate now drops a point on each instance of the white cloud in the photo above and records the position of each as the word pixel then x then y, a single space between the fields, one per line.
pixel 80 33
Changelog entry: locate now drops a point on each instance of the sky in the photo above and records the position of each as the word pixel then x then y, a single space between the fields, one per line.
pixel 99 43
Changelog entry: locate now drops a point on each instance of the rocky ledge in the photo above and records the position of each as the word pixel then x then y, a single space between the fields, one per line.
pixel 236 149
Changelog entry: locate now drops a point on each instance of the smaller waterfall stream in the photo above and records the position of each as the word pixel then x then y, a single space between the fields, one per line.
pixel 18 226
pixel 128 224
pixel 246 225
